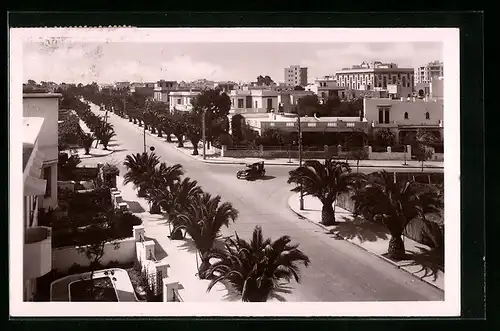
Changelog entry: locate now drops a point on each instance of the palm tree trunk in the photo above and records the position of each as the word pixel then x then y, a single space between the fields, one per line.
pixel 396 249
pixel 195 149
pixel 328 213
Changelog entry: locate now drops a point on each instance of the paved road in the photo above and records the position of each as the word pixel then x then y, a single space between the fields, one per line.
pixel 339 271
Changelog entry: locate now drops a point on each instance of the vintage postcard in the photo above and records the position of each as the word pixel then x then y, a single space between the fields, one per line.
pixel 234 172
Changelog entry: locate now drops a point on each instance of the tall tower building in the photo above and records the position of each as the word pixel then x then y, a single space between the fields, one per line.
pixel 296 75
pixel 425 74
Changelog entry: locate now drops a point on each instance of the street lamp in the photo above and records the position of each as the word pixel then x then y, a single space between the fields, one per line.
pixel 203 134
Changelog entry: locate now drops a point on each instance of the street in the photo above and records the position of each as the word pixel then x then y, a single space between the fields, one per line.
pixel 339 271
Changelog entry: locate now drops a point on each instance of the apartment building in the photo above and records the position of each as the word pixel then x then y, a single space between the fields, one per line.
pixel 288 99
pixel 296 75
pixel 375 76
pixel 40 156
pixel 162 89
pixel 425 74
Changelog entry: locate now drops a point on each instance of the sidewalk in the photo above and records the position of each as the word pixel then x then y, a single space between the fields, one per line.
pixel 212 157
pixel 372 238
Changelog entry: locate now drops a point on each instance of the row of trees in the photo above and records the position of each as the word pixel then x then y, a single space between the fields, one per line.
pixel 377 197
pixel 252 267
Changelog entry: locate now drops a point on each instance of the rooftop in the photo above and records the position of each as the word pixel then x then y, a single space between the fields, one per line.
pixel 42 95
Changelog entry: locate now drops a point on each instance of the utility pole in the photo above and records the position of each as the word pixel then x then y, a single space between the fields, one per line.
pixel 203 134
pixel 300 163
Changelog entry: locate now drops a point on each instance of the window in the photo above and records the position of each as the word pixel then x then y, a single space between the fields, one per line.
pixel 290 124
pixel 178 101
pixel 311 124
pixel 406 115
pixel 427 116
pixel 240 103
pixel 350 124
pixel 386 116
pixel 256 104
pixel 47 175
pixel 381 116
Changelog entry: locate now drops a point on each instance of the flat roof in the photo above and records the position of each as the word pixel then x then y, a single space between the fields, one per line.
pixel 42 95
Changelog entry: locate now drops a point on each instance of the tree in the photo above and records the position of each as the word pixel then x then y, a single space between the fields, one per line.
pixel 94 240
pixel 308 105
pixel 178 124
pixel 140 167
pixel 394 204
pixel 161 176
pixel 264 81
pixel 358 154
pixel 299 88
pixel 215 106
pixel 325 182
pixel 105 137
pixel 255 268
pixel 272 137
pixel 424 141
pixel 236 127
pixel 175 200
pixel 193 130
pixel 202 220
pixel 385 137
pixel 87 140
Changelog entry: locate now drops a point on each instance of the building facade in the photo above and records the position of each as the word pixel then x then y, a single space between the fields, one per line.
pixel 253 101
pixel 425 74
pixel 375 76
pixel 404 117
pixel 296 76
pixel 287 100
pixel 162 89
pixel 40 156
pixel 181 100
pixel 326 87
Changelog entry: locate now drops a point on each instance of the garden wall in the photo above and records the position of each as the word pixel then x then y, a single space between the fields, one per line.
pixel 64 257
pixel 388 156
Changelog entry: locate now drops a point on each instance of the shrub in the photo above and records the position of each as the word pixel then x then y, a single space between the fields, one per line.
pixel 225 140
pixel 110 169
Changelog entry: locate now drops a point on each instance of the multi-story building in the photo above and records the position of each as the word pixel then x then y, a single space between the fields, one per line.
pixel 375 76
pixel 404 116
pixel 296 76
pixel 181 100
pixel 163 88
pixel 144 89
pixel 40 156
pixel 251 100
pixel 326 87
pixel 425 74
pixel 122 85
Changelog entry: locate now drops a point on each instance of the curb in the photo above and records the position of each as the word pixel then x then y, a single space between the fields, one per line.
pixel 355 244
pixel 293 164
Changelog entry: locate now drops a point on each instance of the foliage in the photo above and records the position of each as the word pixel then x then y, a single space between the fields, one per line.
pixel 67 165
pixel 105 136
pixel 394 204
pixel 254 268
pixel 271 137
pixel 162 176
pixel 225 140
pixel 215 106
pixel 236 127
pixel 202 220
pixel 325 182
pixel 264 81
pixel 110 170
pixel 385 137
pixel 140 168
pixel 358 154
pixel 87 140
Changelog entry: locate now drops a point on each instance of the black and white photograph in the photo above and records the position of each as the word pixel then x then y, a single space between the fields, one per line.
pixel 234 172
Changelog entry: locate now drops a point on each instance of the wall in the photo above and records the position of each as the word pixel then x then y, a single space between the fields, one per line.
pixel 46 106
pixel 64 257
pixel 388 156
pixel 416 111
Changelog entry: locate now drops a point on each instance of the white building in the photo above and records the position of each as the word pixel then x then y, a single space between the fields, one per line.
pixel 252 100
pixel 162 89
pixel 375 75
pixel 326 87
pixel 40 156
pixel 181 100
pixel 425 74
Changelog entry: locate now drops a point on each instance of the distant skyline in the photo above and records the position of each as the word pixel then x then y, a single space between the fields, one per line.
pixel 145 62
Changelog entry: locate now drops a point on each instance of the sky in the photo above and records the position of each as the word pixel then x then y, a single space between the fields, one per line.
pixel 148 62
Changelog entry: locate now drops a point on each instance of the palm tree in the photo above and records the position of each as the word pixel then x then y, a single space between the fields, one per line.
pixel 87 140
pixel 394 204
pixel 176 199
pixel 255 268
pixel 140 167
pixel 325 182
pixel 203 220
pixel 161 176
pixel 105 137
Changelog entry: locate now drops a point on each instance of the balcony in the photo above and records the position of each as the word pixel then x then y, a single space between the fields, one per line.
pixel 379 124
pixel 37 251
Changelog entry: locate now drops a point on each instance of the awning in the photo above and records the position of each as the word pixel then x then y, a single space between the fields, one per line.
pixel 34 186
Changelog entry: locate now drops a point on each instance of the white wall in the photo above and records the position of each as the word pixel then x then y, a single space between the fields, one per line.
pixel 416 111
pixel 64 257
